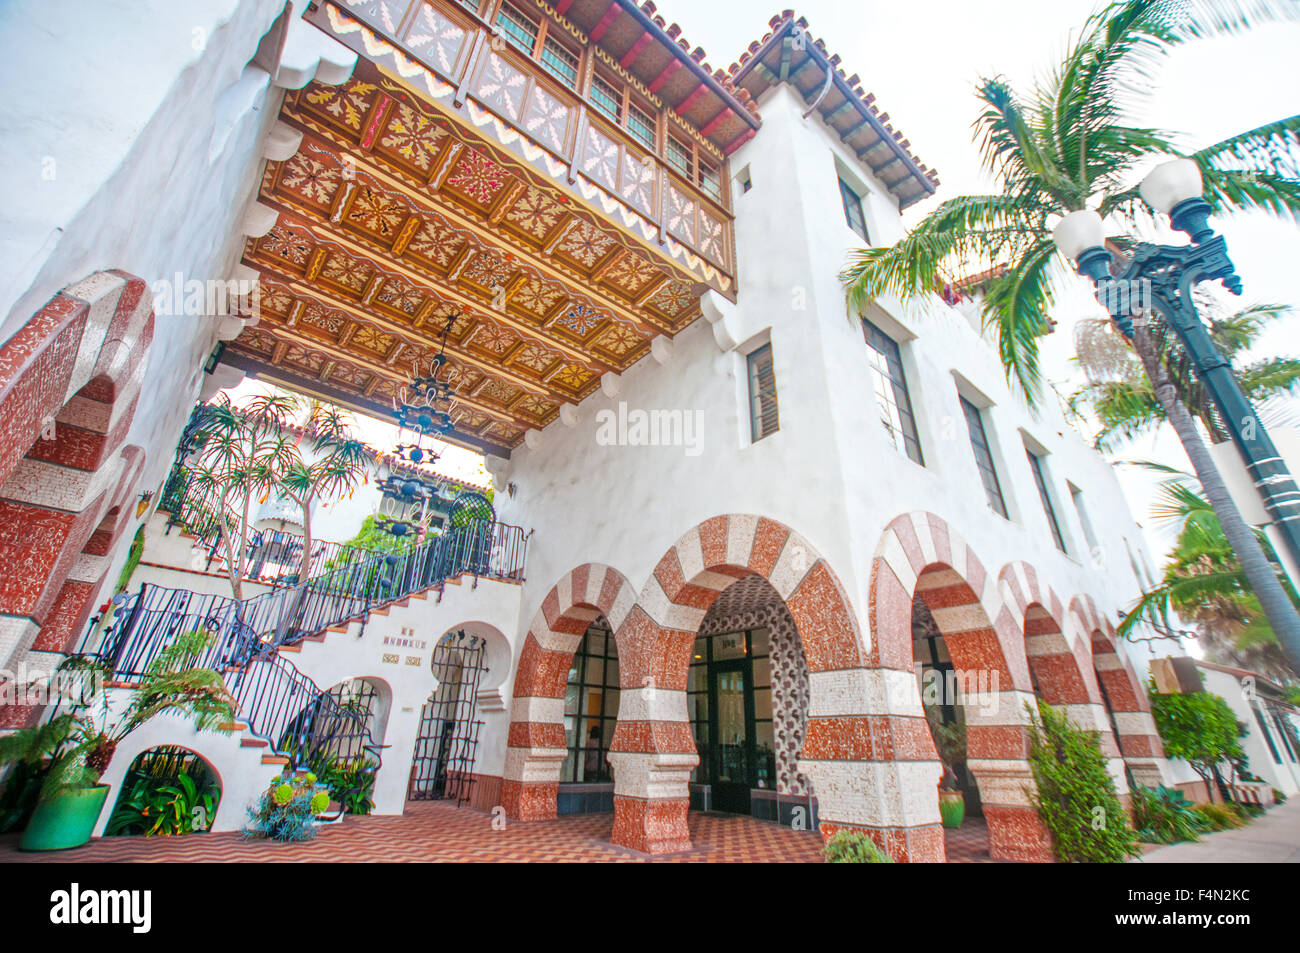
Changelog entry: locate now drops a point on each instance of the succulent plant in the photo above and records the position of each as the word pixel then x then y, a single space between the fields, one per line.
pixel 282 794
pixel 320 802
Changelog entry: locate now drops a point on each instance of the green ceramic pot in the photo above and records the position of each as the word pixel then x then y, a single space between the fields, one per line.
pixel 65 820
pixel 952 808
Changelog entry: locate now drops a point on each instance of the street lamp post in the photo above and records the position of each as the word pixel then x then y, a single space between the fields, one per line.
pixel 1159 279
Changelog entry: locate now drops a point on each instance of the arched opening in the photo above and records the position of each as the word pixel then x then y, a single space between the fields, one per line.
pixel 591 697
pixel 920 559
pixel 747 701
pixel 538 742
pixel 338 738
pixel 167 791
pixel 446 742
pixel 1063 678
pixel 941 687
pixel 1124 697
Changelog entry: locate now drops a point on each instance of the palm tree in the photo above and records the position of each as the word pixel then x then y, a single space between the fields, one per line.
pixel 1203 583
pixel 1127 408
pixel 243 454
pixel 337 464
pixel 1067 147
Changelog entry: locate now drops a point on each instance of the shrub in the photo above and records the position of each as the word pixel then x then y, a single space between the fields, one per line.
pixel 1163 816
pixel 1201 729
pixel 1076 797
pixel 350 781
pixel 286 809
pixel 853 847
pixel 1279 797
pixel 167 792
pixel 1221 817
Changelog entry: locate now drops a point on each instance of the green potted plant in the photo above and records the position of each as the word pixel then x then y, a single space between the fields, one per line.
pixel 950 741
pixel 74 748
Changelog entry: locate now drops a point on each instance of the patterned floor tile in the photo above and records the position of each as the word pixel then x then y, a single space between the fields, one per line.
pixel 437 832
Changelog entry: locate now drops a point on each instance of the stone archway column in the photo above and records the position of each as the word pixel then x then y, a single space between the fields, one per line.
pixel 866 748
pixel 1139 739
pixel 652 752
pixel 535 742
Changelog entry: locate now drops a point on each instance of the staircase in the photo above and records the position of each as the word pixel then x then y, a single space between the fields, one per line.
pixel 283 716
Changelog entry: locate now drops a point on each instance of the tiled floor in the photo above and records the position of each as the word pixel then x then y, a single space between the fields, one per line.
pixel 439 832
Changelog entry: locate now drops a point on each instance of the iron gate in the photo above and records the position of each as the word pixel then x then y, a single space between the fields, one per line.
pixel 443 768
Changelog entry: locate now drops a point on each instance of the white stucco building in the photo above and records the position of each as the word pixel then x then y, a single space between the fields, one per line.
pixel 753 522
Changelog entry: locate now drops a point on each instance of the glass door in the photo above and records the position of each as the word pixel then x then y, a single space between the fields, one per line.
pixel 732 734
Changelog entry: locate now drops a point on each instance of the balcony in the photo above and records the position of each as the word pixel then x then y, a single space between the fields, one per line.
pixel 467 64
pixel 454 195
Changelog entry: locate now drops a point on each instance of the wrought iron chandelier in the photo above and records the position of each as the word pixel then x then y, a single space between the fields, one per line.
pixel 425 405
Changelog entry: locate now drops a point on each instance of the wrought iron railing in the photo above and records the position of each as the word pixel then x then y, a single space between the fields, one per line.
pixel 272 557
pixel 279 703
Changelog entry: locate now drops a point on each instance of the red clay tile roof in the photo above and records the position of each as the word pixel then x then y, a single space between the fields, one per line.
pixel 913 181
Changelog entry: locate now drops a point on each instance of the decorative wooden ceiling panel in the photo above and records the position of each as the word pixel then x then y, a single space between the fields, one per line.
pixel 392 218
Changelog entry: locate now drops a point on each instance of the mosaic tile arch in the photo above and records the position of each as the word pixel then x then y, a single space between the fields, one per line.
pixel 752 603
pixel 68 394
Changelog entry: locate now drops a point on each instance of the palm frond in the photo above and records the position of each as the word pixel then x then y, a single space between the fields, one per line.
pixel 980 227
pixel 1016 306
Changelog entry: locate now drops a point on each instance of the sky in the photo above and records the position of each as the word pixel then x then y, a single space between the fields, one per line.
pixel 922 60
pixel 453 461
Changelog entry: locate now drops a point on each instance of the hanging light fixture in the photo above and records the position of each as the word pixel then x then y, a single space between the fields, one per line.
pixel 425 406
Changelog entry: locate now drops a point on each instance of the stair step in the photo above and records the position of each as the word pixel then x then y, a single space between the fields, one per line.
pixel 274 759
pixel 232 726
pixel 252 743
pixel 290 648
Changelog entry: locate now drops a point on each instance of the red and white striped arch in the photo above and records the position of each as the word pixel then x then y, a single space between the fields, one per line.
pixel 1139 741
pixel 865 755
pixel 69 386
pixel 920 554
pixel 1061 663
pixel 535 743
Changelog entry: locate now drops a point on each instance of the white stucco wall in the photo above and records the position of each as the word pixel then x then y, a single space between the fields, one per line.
pixel 133 140
pixel 830 472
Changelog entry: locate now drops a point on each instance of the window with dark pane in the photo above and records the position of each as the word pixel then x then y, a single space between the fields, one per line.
pixel 754 644
pixel 562 63
pixel 641 126
pixel 678 156
pixel 762 394
pixel 591 706
pixel 890 387
pixel 606 98
pixel 979 441
pixel 853 210
pixel 1263 730
pixel 711 181
pixel 1040 480
pixel 517 28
